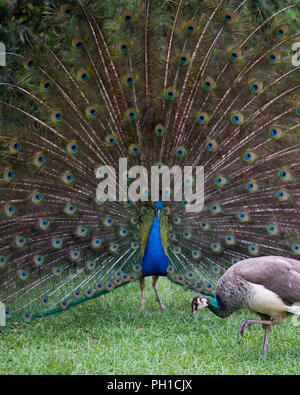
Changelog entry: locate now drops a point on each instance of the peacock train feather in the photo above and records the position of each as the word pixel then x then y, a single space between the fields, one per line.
pixel 172 83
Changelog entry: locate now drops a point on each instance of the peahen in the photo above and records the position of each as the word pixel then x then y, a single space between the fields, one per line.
pixel 166 86
pixel 268 286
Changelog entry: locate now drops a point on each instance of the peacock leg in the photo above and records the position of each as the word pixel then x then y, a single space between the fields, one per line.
pixel 154 281
pixel 142 286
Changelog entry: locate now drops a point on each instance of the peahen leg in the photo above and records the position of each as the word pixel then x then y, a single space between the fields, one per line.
pixel 267 329
pixel 142 286
pixel 266 324
pixel 154 281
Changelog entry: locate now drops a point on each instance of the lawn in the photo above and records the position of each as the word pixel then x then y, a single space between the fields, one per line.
pixel 109 335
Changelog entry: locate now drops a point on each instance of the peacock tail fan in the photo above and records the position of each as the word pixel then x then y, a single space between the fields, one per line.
pixel 162 85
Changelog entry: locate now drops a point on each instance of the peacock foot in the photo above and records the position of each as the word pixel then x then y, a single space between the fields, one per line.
pixel 161 305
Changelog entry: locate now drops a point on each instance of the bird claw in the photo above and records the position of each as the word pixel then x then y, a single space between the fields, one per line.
pixel 162 307
pixel 242 328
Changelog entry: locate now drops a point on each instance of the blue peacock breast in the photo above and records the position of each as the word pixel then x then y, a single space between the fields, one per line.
pixel 155 261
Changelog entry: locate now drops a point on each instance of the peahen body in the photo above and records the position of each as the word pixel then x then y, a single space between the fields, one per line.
pixel 163 85
pixel 268 286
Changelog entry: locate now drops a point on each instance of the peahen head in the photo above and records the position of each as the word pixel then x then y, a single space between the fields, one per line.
pixel 158 206
pixel 199 302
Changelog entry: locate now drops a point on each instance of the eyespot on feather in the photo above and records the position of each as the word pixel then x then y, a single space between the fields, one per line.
pixel 273 57
pixel 282 31
pixel 129 79
pixel 57 116
pixel 234 54
pixel 91 112
pixel 190 27
pixel 46 85
pixel 251 186
pixel 9 210
pixel 211 145
pixel 282 195
pixel 202 118
pixel 110 140
pixel 134 149
pixel 170 93
pixel 256 86
pixel 72 148
pixel 67 178
pixel 275 132
pixel 208 83
pixel 131 114
pixel 83 75
pixel 249 157
pixel 78 43
pixel 123 46
pixel 9 174
pixel 28 63
pixel 39 159
pixel 181 152
pixel 67 10
pixel 127 16
pixel 229 16
pixel 159 130
pixel 184 58
pixel 237 118
pixel 15 147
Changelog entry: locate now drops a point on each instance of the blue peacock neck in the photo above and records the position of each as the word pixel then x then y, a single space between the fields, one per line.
pixel 155 261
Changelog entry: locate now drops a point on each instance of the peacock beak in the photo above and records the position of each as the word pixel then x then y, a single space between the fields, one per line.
pixel 158 213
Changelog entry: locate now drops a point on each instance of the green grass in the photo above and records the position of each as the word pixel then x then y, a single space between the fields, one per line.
pixel 102 336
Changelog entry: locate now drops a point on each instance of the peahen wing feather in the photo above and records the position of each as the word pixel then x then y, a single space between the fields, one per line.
pixel 173 83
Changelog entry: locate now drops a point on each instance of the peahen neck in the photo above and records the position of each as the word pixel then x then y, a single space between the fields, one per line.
pixel 216 306
pixel 155 261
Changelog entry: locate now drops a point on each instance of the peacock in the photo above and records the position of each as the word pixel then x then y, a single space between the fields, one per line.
pixel 268 286
pixel 201 90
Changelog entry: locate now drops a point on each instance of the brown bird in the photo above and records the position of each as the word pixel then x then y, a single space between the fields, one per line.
pixel 268 286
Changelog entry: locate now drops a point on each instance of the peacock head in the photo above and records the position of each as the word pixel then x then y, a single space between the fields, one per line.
pixel 199 302
pixel 158 206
